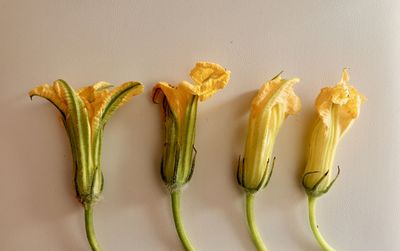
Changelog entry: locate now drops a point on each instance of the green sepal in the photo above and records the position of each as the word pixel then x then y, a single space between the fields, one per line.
pixel 315 190
pixel 240 173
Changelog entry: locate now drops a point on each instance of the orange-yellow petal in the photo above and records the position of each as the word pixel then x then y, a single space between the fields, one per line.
pixel 178 97
pixel 52 93
pixel 208 78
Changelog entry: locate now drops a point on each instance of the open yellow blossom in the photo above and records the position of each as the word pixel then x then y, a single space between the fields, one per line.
pixel 274 102
pixel 84 114
pixel 337 107
pixel 179 108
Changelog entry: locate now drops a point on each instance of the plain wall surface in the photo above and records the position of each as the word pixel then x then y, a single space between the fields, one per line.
pixel 84 42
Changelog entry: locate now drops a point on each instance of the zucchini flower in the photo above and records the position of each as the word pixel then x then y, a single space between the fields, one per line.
pixel 179 109
pixel 84 113
pixel 273 103
pixel 337 108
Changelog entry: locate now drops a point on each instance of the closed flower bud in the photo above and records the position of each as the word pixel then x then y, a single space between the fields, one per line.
pixel 337 108
pixel 274 102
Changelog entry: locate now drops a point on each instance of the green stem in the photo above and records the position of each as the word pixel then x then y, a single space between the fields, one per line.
pixel 175 198
pixel 314 226
pixel 89 227
pixel 255 235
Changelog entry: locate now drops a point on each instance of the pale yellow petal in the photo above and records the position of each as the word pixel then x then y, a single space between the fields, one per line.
pixel 277 91
pixel 347 99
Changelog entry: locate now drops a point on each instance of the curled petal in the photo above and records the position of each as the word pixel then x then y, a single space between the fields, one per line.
pixel 178 98
pixel 346 99
pixel 277 91
pixel 53 93
pixel 208 78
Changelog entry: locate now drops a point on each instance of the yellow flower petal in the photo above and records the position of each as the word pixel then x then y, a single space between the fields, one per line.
pixel 89 92
pixel 347 99
pixel 94 94
pixel 208 78
pixel 52 93
pixel 178 97
pixel 85 112
pixel 277 91
pixel 109 101
pixel 94 97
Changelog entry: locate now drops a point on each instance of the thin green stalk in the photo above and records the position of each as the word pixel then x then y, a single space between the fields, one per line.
pixel 314 226
pixel 255 235
pixel 89 227
pixel 175 198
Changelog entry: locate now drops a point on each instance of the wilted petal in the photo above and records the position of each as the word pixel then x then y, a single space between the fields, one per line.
pixel 208 78
pixel 345 98
pixel 337 108
pixel 277 91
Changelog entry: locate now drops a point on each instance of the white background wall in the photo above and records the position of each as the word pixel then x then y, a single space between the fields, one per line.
pixel 117 41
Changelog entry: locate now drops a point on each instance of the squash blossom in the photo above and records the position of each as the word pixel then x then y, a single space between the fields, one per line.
pixel 273 103
pixel 84 113
pixel 337 108
pixel 179 109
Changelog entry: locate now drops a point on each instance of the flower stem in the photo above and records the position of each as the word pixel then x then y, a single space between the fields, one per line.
pixel 89 227
pixel 175 198
pixel 255 235
pixel 314 226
